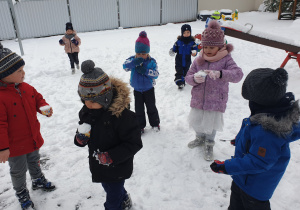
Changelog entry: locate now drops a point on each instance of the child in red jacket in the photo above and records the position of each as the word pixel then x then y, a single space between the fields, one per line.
pixel 20 137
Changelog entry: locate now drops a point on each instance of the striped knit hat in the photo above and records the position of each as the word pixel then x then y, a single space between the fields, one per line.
pixel 142 44
pixel 95 85
pixel 9 62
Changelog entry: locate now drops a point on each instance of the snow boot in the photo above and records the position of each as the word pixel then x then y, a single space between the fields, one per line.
pixel 208 150
pixel 77 65
pixel 127 203
pixel 73 70
pixel 198 142
pixel 42 183
pixel 180 87
pixel 24 199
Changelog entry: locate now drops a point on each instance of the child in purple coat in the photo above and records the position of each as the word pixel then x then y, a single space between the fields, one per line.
pixel 210 75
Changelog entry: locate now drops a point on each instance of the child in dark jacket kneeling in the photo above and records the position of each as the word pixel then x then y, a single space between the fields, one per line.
pixel 110 130
pixel 262 150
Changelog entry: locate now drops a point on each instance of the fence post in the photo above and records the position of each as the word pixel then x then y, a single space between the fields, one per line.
pixel 12 10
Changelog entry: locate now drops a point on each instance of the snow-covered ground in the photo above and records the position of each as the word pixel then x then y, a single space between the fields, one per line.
pixel 167 174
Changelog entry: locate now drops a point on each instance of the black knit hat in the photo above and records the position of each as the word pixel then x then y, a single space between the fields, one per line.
pixel 185 27
pixel 95 85
pixel 265 86
pixel 9 62
pixel 69 26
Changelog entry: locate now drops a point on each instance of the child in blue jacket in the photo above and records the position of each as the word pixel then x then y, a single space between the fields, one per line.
pixel 143 74
pixel 184 47
pixel 262 150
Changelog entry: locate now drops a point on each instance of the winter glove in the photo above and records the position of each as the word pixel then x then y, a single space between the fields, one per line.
pixel 46 110
pixel 218 167
pixel 83 134
pixel 61 41
pixel 141 69
pixel 74 41
pixel 138 61
pixel 103 158
pixel 232 142
pixel 213 74
pixel 198 78
pixel 171 52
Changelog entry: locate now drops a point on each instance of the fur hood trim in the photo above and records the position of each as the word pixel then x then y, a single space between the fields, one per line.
pixel 192 38
pixel 121 98
pixel 282 127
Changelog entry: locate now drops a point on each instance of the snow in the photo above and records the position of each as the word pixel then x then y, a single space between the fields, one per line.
pixel 167 174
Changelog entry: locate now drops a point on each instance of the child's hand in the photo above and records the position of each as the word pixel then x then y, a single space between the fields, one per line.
pixel 46 110
pixel 198 78
pixel 194 53
pixel 213 74
pixel 171 52
pixel 218 167
pixel 61 42
pixel 4 155
pixel 74 41
pixel 103 158
pixel 138 61
pixel 141 69
pixel 83 134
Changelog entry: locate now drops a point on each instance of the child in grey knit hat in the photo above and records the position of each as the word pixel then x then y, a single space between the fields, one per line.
pixel 110 130
pixel 20 137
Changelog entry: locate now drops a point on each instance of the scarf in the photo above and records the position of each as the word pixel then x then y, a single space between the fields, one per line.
pixel 69 36
pixel 220 54
pixel 279 110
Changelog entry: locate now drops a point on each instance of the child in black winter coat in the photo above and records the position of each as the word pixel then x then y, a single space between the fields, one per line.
pixel 111 132
pixel 185 46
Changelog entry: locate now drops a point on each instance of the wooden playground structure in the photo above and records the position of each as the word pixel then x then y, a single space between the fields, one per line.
pixel 292 50
pixel 282 15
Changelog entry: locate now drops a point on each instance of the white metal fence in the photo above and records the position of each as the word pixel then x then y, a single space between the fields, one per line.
pixel 38 18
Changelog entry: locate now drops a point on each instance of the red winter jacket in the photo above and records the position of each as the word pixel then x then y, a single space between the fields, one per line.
pixel 19 126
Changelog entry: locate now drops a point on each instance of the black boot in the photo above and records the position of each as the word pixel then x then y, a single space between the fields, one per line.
pixel 24 199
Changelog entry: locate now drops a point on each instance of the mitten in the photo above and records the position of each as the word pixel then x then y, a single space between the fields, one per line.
pixel 83 134
pixel 61 41
pixel 74 41
pixel 103 158
pixel 141 69
pixel 213 74
pixel 232 142
pixel 46 110
pixel 194 52
pixel 198 78
pixel 171 52
pixel 218 167
pixel 138 61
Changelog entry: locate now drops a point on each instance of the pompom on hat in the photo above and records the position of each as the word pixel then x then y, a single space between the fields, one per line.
pixel 142 44
pixel 213 35
pixel 9 62
pixel 95 85
pixel 265 86
pixel 69 26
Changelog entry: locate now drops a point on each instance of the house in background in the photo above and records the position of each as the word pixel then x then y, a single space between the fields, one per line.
pixel 241 5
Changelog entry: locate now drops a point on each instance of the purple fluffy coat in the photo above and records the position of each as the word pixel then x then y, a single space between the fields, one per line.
pixel 212 95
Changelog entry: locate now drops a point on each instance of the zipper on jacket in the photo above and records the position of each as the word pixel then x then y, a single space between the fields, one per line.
pixel 71 45
pixel 205 88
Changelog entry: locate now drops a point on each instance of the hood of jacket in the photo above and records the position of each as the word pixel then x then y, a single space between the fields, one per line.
pixel 282 127
pixel 121 99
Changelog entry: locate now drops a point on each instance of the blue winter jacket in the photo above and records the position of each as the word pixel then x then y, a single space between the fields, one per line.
pixel 183 52
pixel 262 153
pixel 142 82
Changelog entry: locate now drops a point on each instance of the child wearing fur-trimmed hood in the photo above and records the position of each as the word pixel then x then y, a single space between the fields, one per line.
pixel 210 75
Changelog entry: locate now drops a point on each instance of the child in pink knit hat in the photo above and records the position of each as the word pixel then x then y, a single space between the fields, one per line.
pixel 143 74
pixel 210 75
